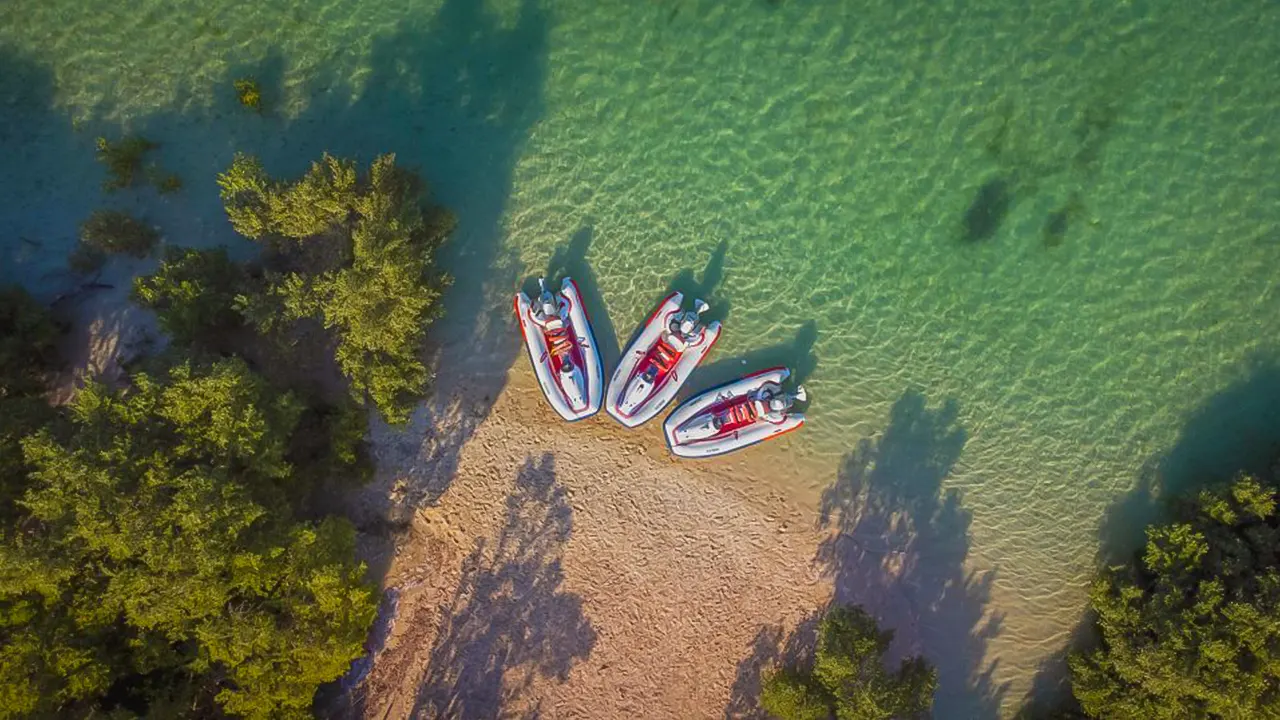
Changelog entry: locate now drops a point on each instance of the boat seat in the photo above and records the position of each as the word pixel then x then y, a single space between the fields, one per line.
pixel 664 356
pixel 558 341
pixel 744 413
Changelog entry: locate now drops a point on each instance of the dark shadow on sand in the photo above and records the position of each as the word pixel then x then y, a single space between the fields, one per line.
pixel 571 261
pixel 897 548
pixel 769 648
pixel 510 621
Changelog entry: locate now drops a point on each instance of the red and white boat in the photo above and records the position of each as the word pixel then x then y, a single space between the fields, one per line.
pixel 735 415
pixel 562 349
pixel 658 361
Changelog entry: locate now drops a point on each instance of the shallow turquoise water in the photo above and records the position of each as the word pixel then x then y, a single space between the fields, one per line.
pixel 1117 322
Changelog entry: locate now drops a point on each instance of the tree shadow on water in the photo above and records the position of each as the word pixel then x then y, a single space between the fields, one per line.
pixel 898 546
pixel 509 621
pixel 1237 430
pixel 42 154
pixel 455 95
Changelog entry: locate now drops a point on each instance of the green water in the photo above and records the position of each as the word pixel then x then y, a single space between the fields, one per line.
pixel 1062 217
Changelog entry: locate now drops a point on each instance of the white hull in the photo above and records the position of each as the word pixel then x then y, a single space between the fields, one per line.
pixel 677 427
pixel 665 390
pixel 573 396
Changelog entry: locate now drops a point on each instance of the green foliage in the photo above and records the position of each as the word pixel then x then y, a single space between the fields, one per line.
pixel 245 189
pixel 27 337
pixel 123 160
pixel 112 231
pixel 329 447
pixel 249 94
pixel 361 263
pixel 86 259
pixel 156 545
pixel 165 183
pixel 320 201
pixel 1193 629
pixel 793 695
pixel 27 356
pixel 380 315
pixel 848 679
pixel 193 293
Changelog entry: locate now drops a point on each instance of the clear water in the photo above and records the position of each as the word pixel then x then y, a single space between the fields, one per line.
pixel 1062 218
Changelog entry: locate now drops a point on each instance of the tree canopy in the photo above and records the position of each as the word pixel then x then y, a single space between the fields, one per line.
pixel 152 556
pixel 155 564
pixel 848 679
pixel 354 253
pixel 27 355
pixel 193 293
pixel 1192 628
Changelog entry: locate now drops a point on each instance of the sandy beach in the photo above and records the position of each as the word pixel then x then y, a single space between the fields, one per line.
pixel 531 567
pixel 535 568
pixel 583 573
pixel 553 570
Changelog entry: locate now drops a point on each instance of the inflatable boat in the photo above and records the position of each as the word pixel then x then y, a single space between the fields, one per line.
pixel 735 415
pixel 659 360
pixel 562 349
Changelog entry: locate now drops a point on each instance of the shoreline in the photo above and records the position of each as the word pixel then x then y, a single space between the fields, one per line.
pixel 589 574
pixel 528 561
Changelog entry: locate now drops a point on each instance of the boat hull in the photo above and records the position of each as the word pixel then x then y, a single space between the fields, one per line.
pixel 624 407
pixel 574 397
pixel 678 425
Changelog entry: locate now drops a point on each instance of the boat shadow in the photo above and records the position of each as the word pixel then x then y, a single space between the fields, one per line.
pixel 705 287
pixel 796 354
pixel 692 287
pixel 570 260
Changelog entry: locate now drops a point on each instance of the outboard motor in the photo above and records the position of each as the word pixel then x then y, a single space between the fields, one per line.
pixel 693 321
pixel 550 308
